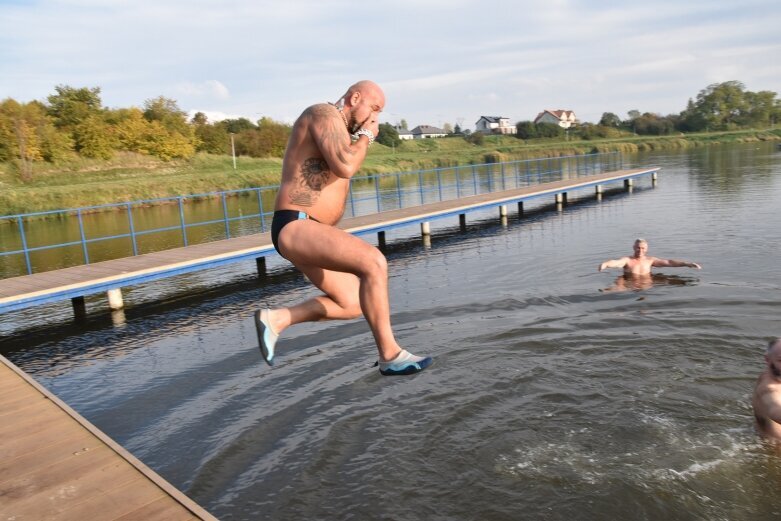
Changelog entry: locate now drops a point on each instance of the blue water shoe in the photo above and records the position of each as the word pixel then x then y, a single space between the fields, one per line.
pixel 405 363
pixel 267 339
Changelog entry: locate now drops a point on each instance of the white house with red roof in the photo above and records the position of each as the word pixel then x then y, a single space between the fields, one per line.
pixel 562 118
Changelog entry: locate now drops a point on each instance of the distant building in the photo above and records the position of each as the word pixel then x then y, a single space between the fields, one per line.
pixel 403 132
pixel 562 118
pixel 427 131
pixel 494 125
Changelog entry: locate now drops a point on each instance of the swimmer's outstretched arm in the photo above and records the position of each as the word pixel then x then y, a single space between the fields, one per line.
pixel 671 263
pixel 615 263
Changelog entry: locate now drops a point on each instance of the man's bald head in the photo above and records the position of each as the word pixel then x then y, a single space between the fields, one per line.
pixel 367 90
pixel 365 87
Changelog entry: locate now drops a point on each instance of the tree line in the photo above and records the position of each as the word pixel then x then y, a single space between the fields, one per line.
pixel 720 106
pixel 74 123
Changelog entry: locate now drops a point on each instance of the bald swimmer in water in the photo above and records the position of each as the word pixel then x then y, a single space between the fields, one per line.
pixel 641 264
pixel 767 394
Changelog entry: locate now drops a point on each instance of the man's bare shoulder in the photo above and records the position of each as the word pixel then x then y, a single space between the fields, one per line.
pixel 320 110
pixel 768 387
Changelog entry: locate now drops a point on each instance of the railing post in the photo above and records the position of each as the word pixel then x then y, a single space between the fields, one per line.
pixel 132 229
pixel 181 220
pixel 377 191
pixel 260 209
pixel 225 216
pixel 352 202
pixel 398 188
pixel 474 178
pixel 24 245
pixel 420 185
pixel 504 185
pixel 439 185
pixel 83 237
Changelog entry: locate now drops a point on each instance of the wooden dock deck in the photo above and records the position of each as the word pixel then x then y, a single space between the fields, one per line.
pixel 56 465
pixel 75 282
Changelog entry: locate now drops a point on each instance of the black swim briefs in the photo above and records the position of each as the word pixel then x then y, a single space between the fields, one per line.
pixel 281 219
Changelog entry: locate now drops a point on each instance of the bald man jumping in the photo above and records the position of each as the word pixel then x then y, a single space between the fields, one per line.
pixel 327 146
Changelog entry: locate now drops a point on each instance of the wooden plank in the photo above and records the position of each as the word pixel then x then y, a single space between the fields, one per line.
pixel 157 511
pixel 34 418
pixel 41 455
pixel 52 433
pixel 16 401
pixel 52 490
pixel 115 503
pixel 54 479
pixel 56 465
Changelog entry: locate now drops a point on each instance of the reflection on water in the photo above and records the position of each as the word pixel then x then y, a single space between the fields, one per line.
pixel 630 282
pixel 550 398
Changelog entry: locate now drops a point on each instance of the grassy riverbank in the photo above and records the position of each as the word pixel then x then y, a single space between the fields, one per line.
pixel 129 177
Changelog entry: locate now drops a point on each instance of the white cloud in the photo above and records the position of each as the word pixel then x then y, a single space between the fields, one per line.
pixel 438 60
pixel 213 116
pixel 209 88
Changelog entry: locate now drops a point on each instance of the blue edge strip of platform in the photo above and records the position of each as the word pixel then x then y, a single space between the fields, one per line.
pixel 262 252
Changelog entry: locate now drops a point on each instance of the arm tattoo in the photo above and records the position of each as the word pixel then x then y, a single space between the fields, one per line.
pixel 332 137
pixel 314 175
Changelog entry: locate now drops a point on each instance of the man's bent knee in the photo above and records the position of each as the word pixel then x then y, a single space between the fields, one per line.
pixel 375 264
pixel 353 311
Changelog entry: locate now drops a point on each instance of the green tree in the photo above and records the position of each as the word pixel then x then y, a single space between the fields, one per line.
pixel 135 133
pixel 525 130
pixel 721 105
pixel 199 119
pixel 388 135
pixel 549 130
pixel 168 113
pixel 70 106
pixel 27 135
pixel 691 119
pixel 267 139
pixel 653 124
pixel 403 124
pixel 235 126
pixel 760 108
pixel 476 138
pixel 610 120
pixel 212 139
pixel 94 138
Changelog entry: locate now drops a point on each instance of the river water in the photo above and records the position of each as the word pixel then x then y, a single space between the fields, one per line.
pixel 557 392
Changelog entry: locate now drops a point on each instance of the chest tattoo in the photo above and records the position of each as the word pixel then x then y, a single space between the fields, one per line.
pixel 314 175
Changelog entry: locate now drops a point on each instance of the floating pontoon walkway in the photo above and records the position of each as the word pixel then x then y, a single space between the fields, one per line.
pixel 109 276
pixel 56 465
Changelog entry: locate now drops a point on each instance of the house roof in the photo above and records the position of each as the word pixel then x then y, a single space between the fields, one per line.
pixel 427 129
pixel 558 114
pixel 492 119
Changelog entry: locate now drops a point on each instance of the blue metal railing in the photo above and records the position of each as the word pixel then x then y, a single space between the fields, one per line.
pixel 367 194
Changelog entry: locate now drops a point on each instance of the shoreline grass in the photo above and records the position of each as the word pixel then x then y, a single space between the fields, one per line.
pixel 132 177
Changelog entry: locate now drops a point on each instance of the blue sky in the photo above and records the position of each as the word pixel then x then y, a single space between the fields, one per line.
pixel 439 61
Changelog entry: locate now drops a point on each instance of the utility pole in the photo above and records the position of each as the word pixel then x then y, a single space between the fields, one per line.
pixel 233 152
